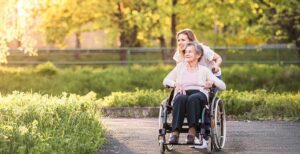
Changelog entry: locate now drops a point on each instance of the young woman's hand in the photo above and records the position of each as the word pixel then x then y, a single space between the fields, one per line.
pixel 215 69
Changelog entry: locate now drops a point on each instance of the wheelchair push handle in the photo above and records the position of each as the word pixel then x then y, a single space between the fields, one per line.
pixel 214 70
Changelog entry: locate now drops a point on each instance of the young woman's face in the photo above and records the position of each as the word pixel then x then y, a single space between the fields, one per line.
pixel 182 40
pixel 190 54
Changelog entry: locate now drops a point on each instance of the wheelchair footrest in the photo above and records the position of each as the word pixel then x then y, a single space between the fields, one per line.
pixel 182 144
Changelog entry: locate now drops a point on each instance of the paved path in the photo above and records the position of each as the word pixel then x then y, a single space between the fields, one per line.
pixel 138 136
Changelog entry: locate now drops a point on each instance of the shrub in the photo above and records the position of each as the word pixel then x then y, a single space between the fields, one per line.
pixel 138 98
pixel 103 81
pixel 46 69
pixel 258 104
pixel 35 123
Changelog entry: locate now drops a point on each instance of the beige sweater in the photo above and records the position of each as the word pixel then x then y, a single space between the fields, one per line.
pixel 203 73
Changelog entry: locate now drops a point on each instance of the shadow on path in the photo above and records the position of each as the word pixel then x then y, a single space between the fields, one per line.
pixel 113 146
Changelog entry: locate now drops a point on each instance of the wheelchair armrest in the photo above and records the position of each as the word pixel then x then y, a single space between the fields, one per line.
pixel 212 87
pixel 169 87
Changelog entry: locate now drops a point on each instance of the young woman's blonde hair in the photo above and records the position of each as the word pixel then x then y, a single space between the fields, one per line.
pixel 189 33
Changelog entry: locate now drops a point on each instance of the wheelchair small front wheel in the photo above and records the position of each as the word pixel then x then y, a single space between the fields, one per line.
pixel 210 145
pixel 169 147
pixel 161 148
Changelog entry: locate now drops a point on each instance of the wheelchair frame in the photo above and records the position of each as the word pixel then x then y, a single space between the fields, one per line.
pixel 215 133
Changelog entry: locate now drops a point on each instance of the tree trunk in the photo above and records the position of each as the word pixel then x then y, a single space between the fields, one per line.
pixel 122 45
pixel 77 45
pixel 298 48
pixel 162 41
pixel 122 37
pixel 173 25
pixel 128 34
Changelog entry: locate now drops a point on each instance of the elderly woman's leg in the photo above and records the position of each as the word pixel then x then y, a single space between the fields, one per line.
pixel 178 116
pixel 194 107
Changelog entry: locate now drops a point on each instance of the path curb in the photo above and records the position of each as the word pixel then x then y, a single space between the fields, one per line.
pixel 130 112
pixel 142 112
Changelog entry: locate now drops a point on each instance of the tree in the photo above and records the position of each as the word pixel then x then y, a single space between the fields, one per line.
pixel 219 22
pixel 15 21
pixel 62 18
pixel 133 20
pixel 279 20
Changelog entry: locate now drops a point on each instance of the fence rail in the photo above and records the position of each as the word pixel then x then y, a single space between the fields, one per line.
pixel 105 56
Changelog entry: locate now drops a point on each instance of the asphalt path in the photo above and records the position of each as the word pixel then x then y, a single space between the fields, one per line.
pixel 139 136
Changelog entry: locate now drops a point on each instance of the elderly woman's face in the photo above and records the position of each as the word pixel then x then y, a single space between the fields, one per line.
pixel 182 40
pixel 190 54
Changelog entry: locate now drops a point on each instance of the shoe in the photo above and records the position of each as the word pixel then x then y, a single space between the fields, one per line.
pixel 203 146
pixel 197 141
pixel 173 139
pixel 190 139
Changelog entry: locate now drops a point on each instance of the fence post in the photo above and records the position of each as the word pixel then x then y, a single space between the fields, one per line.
pixel 128 57
pixel 277 56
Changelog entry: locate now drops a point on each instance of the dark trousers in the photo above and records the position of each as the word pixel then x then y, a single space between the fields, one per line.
pixel 190 105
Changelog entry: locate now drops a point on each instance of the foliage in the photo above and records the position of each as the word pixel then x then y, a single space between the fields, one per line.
pixel 15 25
pixel 258 104
pixel 103 81
pixel 46 69
pixel 150 23
pixel 138 98
pixel 269 77
pixel 81 80
pixel 279 20
pixel 35 123
pixel 62 18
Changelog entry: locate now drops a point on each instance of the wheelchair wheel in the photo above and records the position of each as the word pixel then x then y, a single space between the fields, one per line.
pixel 218 124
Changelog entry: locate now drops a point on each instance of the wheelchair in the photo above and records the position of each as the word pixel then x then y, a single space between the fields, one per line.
pixel 211 126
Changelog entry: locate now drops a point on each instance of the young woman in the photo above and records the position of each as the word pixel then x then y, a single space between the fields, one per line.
pixel 191 81
pixel 210 59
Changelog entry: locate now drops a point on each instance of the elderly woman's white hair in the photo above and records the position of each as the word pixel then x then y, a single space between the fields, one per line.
pixel 198 48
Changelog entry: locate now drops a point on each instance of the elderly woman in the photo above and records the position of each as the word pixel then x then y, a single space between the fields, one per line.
pixel 192 82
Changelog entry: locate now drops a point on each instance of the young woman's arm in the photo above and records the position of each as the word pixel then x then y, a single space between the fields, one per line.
pixel 217 59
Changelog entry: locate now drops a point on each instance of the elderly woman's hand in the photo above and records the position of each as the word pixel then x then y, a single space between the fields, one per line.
pixel 179 89
pixel 208 84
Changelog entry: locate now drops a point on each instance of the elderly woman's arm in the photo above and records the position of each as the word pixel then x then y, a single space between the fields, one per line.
pixel 170 79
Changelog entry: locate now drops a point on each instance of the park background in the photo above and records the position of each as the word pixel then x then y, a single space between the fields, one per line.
pixel 62 61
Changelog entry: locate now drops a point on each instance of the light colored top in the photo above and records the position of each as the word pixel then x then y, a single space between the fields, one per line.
pixel 190 80
pixel 206 60
pixel 203 74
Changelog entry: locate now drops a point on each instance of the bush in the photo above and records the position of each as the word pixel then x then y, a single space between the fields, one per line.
pixel 258 104
pixel 35 123
pixel 138 98
pixel 46 69
pixel 103 81
pixel 258 76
